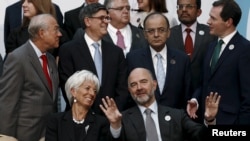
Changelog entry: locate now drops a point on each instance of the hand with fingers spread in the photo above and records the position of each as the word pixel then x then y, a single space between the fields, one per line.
pixel 211 106
pixel 192 108
pixel 111 111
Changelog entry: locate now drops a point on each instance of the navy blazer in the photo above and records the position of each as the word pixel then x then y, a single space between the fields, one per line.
pixel 177 82
pixel 175 125
pixel 61 127
pixel 72 21
pixel 75 55
pixel 231 80
pixel 202 40
pixel 13 17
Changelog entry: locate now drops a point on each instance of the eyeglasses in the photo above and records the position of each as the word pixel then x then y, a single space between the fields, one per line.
pixel 186 6
pixel 121 8
pixel 102 18
pixel 160 30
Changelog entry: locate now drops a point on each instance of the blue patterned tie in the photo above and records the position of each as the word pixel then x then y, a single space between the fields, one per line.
pixel 216 54
pixel 160 72
pixel 98 61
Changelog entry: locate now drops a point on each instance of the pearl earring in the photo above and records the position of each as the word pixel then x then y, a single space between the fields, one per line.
pixel 75 100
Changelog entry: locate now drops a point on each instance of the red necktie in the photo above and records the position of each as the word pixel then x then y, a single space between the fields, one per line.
pixel 45 71
pixel 189 43
pixel 120 40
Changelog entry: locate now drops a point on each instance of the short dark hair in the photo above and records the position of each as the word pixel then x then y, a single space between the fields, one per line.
pixel 197 2
pixel 89 11
pixel 230 9
pixel 156 13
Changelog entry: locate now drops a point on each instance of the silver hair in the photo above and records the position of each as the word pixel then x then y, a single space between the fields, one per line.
pixel 38 22
pixel 76 80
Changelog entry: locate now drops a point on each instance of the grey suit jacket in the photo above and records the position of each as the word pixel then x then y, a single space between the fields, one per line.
pixel 25 98
pixel 174 124
pixel 202 40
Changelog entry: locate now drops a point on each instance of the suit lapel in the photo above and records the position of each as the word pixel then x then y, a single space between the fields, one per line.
pixel 37 65
pixel 138 123
pixel 198 41
pixel 164 123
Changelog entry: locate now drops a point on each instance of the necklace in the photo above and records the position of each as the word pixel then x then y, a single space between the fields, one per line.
pixel 78 121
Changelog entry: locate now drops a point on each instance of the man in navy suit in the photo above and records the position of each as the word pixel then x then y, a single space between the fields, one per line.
pixel 176 64
pixel 13 17
pixel 71 19
pixel 78 54
pixel 119 11
pixel 230 76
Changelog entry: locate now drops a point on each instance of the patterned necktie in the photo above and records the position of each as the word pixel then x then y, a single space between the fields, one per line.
pixel 150 126
pixel 120 39
pixel 98 61
pixel 188 43
pixel 160 72
pixel 45 71
pixel 216 54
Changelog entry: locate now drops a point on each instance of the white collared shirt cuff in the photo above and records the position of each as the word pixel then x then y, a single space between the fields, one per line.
pixel 115 132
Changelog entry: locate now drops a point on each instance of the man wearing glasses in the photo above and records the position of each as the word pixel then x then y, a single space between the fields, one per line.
pixel 133 38
pixel 88 51
pixel 188 12
pixel 170 67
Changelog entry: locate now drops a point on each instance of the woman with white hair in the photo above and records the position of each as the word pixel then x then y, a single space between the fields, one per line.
pixel 81 123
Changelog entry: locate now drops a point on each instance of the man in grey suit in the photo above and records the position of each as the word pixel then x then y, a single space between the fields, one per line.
pixel 26 96
pixel 188 11
pixel 119 11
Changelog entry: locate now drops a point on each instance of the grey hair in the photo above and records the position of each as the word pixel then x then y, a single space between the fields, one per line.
pixel 76 80
pixel 38 22
pixel 109 3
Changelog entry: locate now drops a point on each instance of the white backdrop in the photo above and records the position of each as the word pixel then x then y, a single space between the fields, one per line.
pixel 66 5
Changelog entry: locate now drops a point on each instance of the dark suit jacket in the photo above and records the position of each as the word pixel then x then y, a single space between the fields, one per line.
pixel 13 17
pixel 62 128
pixel 1 65
pixel 202 40
pixel 26 99
pixel 178 128
pixel 72 21
pixel 138 39
pixel 75 55
pixel 231 80
pixel 177 82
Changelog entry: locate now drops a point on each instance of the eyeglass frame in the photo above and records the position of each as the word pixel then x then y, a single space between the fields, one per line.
pixel 102 18
pixel 121 8
pixel 186 6
pixel 159 30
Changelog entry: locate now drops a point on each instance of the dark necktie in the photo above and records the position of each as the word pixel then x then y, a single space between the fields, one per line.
pixel 188 43
pixel 45 71
pixel 98 61
pixel 150 127
pixel 120 39
pixel 216 54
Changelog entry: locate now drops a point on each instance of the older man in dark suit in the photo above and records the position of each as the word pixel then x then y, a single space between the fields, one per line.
pixel 133 38
pixel 29 83
pixel 172 69
pixel 81 53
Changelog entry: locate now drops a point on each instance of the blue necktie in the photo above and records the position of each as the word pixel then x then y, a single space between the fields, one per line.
pixel 216 54
pixel 98 61
pixel 160 72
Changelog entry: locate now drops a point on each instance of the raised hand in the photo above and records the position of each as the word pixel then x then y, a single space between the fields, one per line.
pixel 211 106
pixel 111 111
pixel 192 108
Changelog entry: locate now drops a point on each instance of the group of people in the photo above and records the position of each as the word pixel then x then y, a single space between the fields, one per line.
pixel 113 72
